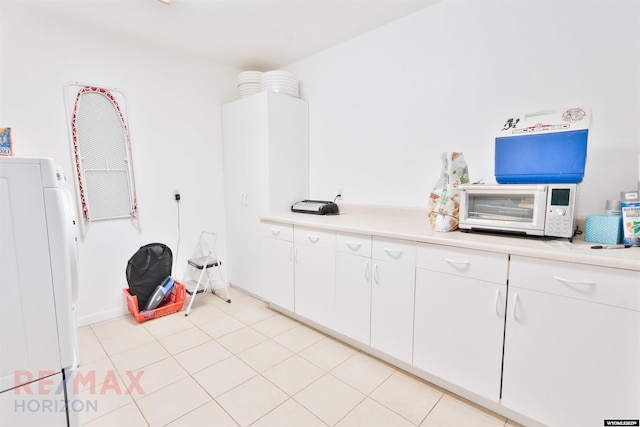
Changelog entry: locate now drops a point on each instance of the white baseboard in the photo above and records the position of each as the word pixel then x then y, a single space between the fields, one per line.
pixel 101 316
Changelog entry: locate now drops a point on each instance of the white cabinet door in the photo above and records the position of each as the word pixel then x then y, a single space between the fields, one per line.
pixel 459 316
pixel 314 254
pixel 353 296
pixel 459 329
pixel 353 286
pixel 234 130
pixel 392 308
pixel 392 296
pixel 277 272
pixel 255 200
pixel 572 359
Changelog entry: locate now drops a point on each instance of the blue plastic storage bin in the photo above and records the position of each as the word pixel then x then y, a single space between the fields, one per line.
pixel 541 158
pixel 541 148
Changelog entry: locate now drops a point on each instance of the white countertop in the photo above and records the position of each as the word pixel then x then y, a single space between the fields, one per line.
pixel 412 224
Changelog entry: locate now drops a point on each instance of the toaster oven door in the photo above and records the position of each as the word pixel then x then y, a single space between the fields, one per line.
pixel 507 208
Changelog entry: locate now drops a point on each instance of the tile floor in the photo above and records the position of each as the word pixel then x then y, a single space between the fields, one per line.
pixel 243 364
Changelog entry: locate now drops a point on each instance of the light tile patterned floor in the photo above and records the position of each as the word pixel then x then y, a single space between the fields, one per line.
pixel 243 364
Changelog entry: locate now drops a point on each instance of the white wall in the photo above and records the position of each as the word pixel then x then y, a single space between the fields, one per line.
pixel 174 114
pixel 384 106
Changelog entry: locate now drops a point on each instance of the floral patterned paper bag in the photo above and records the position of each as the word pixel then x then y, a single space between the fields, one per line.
pixel 444 200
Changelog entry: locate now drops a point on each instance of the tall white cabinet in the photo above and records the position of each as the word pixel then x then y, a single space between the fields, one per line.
pixel 266 169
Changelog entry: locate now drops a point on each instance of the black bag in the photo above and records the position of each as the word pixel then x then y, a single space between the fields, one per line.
pixel 146 269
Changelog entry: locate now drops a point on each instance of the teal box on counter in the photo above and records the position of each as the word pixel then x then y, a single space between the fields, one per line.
pixel 605 229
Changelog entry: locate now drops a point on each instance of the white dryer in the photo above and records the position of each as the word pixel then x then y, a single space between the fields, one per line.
pixel 38 288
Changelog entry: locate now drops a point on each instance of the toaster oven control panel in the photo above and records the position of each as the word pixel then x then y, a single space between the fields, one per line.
pixel 559 219
pixel 558 223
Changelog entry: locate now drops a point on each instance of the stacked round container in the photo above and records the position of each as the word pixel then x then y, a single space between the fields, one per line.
pixel 279 81
pixel 249 82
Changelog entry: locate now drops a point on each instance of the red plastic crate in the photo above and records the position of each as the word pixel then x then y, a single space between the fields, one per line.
pixel 173 305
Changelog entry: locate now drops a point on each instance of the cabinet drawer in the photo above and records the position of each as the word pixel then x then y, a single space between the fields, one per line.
pixel 277 230
pixel 485 266
pixel 357 244
pixel 611 286
pixel 314 237
pixel 387 249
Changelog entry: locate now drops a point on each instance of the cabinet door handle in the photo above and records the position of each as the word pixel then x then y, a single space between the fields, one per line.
pixel 275 231
pixel 574 282
pixel 353 246
pixel 394 253
pixel 375 273
pixel 291 253
pixel 367 269
pixel 313 239
pixel 515 303
pixel 496 302
pixel 453 261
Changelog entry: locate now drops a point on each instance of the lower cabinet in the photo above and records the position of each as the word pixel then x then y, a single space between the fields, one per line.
pixel 556 342
pixel 314 254
pixel 572 346
pixel 392 293
pixel 459 317
pixel 353 286
pixel 459 329
pixel 276 264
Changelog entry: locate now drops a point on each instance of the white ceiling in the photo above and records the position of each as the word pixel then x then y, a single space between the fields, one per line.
pixel 245 34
